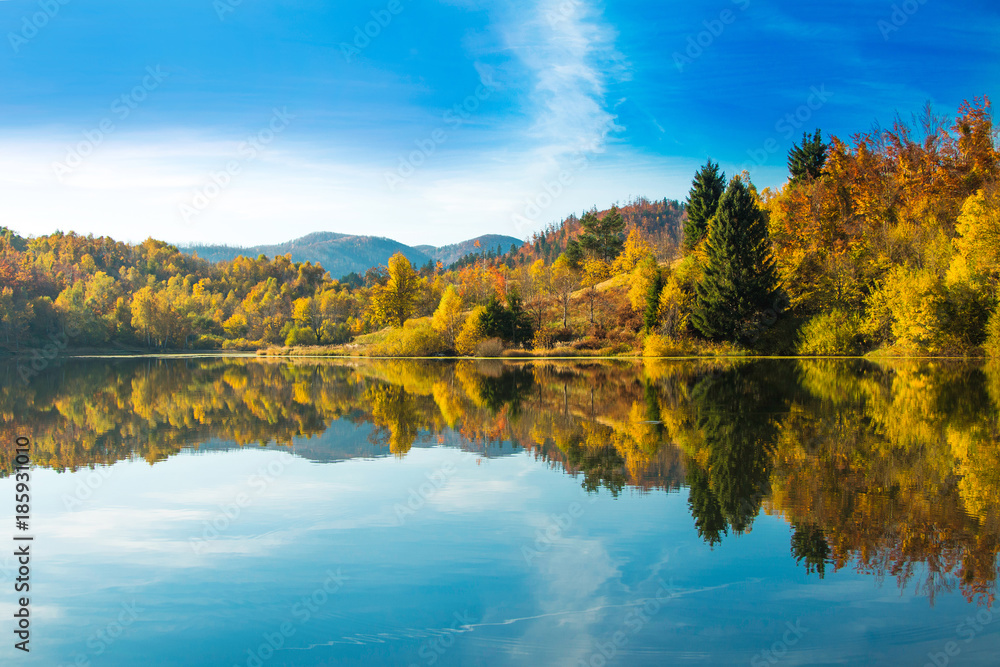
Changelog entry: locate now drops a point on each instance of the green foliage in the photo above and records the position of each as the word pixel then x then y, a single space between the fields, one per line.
pixel 603 237
pixel 740 281
pixel 807 160
pixel 651 316
pixel 573 253
pixel 300 336
pixel 703 200
pixel 510 323
pixel 831 334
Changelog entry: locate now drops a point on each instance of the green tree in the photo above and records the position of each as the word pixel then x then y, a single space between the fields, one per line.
pixel 740 280
pixel 392 303
pixel 807 160
pixel 702 202
pixel 603 237
pixel 651 316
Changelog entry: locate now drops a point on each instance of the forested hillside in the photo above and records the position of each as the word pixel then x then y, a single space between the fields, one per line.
pixel 886 242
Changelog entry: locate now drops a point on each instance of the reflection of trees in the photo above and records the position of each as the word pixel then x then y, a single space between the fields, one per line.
pixel 810 548
pixel 893 469
pixel 735 415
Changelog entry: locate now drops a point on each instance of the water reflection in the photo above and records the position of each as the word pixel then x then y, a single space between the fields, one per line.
pixel 890 469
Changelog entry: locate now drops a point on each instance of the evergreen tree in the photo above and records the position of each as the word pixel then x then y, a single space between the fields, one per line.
pixel 702 202
pixel 574 253
pixel 651 316
pixel 740 280
pixel 603 237
pixel 808 159
pixel 510 322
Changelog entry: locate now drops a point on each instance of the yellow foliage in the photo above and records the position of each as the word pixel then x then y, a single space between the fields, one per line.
pixel 472 332
pixel 636 249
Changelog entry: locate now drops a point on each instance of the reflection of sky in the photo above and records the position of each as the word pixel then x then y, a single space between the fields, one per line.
pixel 450 584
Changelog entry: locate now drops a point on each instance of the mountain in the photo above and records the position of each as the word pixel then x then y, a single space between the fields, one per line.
pixel 449 254
pixel 341 254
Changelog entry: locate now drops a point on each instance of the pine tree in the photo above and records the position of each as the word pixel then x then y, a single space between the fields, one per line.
pixel 602 237
pixel 702 201
pixel 808 159
pixel 740 280
pixel 651 316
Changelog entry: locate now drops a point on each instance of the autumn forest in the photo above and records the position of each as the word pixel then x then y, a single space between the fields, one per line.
pixel 886 243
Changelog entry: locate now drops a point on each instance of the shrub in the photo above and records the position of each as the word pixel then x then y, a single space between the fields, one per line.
pixel 833 333
pixel 208 342
pixel 491 347
pixel 300 336
pixel 543 339
pixel 410 341
pixel 656 345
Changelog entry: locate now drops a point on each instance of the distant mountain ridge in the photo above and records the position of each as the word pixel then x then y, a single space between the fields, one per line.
pixel 340 254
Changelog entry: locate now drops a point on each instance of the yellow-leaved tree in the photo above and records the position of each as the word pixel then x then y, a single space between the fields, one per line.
pixel 448 318
pixel 392 303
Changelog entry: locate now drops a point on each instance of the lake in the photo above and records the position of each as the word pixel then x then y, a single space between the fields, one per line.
pixel 233 511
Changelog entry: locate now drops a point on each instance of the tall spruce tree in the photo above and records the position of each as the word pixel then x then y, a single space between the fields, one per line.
pixel 740 280
pixel 706 188
pixel 808 159
pixel 603 237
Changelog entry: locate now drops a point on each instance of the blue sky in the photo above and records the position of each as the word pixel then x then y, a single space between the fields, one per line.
pixel 256 122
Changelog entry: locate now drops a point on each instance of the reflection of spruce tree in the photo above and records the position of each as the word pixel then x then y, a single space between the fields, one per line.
pixel 704 507
pixel 734 413
pixel 510 388
pixel 602 467
pixel 809 545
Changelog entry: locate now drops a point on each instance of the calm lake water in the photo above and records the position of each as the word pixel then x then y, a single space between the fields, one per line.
pixel 249 513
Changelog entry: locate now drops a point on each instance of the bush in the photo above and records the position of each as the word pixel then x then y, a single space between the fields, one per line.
pixel 491 347
pixel 831 334
pixel 300 336
pixel 992 344
pixel 208 342
pixel 410 341
pixel 656 345
pixel 543 339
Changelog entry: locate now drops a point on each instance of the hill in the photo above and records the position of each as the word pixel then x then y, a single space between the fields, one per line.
pixel 341 254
